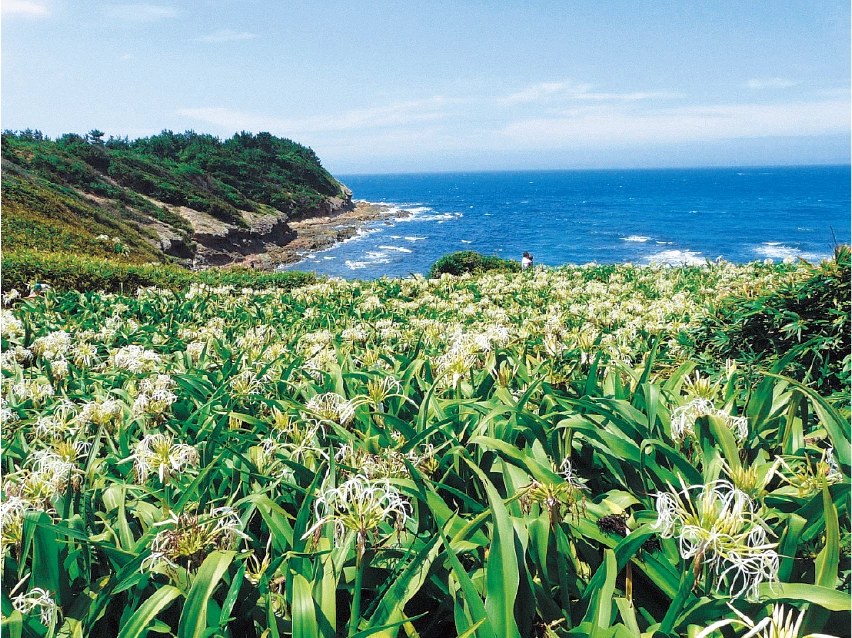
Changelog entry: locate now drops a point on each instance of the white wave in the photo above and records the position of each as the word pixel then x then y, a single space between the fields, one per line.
pixel 398 249
pixel 777 250
pixel 678 257
pixel 376 254
pixel 329 257
pixel 437 217
pixel 352 264
pixel 466 241
pixel 411 238
pixel 638 238
pixel 396 237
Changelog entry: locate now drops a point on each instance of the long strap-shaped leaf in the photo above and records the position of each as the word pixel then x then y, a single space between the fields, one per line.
pixel 408 583
pixel 193 620
pixel 501 571
pixel 138 623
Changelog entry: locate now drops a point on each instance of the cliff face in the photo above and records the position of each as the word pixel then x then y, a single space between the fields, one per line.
pixel 221 244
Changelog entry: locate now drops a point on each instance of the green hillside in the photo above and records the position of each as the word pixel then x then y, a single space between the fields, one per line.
pixel 84 194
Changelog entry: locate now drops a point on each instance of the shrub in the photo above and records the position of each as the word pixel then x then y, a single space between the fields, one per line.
pixel 806 320
pixel 70 272
pixel 469 261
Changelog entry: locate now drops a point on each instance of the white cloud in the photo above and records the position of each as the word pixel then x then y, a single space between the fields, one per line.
pixel 139 12
pixel 839 92
pixel 226 35
pixel 392 115
pixel 614 127
pixel 553 92
pixel 629 97
pixel 546 90
pixel 770 83
pixel 24 8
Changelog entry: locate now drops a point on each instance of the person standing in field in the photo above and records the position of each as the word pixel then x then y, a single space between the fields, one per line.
pixel 526 261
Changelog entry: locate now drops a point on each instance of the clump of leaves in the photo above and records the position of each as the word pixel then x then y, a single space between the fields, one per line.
pixel 805 321
pixel 469 261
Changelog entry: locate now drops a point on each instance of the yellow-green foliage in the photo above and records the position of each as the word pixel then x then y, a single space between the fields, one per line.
pixel 43 216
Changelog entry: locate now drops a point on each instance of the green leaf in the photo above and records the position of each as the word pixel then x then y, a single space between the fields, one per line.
pixel 304 613
pixel 138 623
pixel 406 585
pixel 501 570
pixel 47 570
pixel 600 603
pixel 193 620
pixel 834 423
pixel 827 562
pixel 830 599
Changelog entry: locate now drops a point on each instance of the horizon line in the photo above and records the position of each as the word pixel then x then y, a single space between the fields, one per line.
pixel 589 170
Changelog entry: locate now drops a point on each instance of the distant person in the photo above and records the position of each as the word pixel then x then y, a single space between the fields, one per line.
pixel 38 289
pixel 526 261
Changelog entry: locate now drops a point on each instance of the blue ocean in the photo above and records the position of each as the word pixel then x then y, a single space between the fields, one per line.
pixel 605 216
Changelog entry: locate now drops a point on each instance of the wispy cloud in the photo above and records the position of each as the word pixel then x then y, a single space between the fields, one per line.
pixel 770 83
pixel 392 115
pixel 139 12
pixel 838 92
pixel 545 90
pixel 550 92
pixel 226 35
pixel 24 8
pixel 617 127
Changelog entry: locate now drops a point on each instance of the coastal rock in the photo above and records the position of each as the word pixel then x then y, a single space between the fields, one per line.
pixel 220 243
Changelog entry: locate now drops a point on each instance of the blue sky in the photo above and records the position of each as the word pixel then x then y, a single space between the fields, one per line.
pixel 436 86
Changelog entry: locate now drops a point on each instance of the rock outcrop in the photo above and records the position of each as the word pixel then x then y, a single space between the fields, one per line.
pixel 219 243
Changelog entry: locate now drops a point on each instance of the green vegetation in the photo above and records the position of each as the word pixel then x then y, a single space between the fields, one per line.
pixel 62 194
pixel 554 453
pixel 469 261
pixel 805 322
pixel 64 272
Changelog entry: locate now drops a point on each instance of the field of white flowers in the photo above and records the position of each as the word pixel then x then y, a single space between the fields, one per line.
pixel 507 455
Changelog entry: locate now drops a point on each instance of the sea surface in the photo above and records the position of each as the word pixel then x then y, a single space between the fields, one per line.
pixel 606 216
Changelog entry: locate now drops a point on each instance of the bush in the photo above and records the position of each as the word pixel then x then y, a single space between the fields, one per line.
pixel 70 272
pixel 468 261
pixel 806 321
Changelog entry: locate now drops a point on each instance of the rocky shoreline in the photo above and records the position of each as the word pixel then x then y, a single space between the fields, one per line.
pixel 320 232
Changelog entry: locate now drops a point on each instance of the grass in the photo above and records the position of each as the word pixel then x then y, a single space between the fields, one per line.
pixel 547 453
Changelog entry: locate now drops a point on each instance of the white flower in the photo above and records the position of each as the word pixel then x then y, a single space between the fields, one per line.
pixel 41 600
pixel 12 510
pixel 360 505
pixel 157 452
pixel 134 359
pixel 778 625
pixel 717 525
pixel 53 346
pixel 331 407
pixel 7 415
pixel 9 297
pixel 685 416
pixel 188 539
pixel 100 412
pixel 10 326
